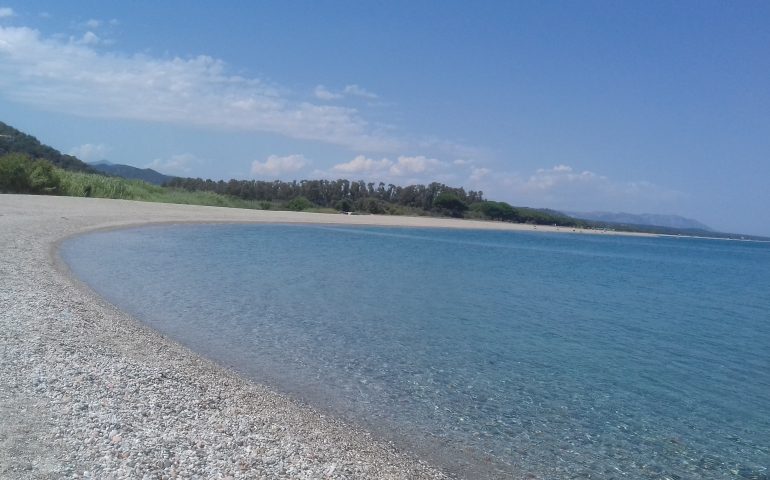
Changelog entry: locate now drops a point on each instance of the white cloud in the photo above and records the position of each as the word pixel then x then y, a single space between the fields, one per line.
pixel 179 164
pixel 89 38
pixel 563 187
pixel 323 93
pixel 363 165
pixel 401 167
pixel 413 165
pixel 74 78
pixel 559 176
pixel 275 165
pixel 6 12
pixel 356 91
pixel 404 169
pixel 478 174
pixel 90 152
pixel 93 23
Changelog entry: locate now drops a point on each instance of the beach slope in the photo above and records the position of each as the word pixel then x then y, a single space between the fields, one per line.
pixel 87 391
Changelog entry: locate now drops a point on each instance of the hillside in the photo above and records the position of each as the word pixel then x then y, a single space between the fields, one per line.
pixel 644 219
pixel 14 141
pixel 131 173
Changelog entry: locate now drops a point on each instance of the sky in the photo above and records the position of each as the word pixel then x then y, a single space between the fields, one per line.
pixel 641 107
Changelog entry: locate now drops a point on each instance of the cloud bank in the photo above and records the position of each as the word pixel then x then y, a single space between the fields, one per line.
pixel 385 168
pixel 563 187
pixel 276 166
pixel 323 93
pixel 90 152
pixel 74 76
pixel 178 164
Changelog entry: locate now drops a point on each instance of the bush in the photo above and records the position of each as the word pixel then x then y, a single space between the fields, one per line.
pixel 43 177
pixel 298 204
pixel 344 205
pixel 18 174
pixel 450 203
pixel 496 210
pixel 370 205
pixel 14 177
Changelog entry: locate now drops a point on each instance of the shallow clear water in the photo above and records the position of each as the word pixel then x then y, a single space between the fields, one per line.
pixel 496 353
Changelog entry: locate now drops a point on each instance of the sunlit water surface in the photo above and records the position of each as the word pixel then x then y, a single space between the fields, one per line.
pixel 495 353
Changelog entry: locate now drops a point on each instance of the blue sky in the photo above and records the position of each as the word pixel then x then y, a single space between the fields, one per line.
pixel 660 107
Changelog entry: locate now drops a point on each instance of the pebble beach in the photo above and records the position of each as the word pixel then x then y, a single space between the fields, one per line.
pixel 86 391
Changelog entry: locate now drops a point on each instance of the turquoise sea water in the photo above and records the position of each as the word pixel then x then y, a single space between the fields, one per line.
pixel 497 354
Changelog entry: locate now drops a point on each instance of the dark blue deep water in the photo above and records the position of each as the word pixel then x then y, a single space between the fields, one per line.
pixel 498 354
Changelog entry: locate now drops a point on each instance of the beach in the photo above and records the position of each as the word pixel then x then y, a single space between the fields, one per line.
pixel 86 391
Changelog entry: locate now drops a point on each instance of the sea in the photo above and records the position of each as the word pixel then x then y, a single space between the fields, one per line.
pixel 492 354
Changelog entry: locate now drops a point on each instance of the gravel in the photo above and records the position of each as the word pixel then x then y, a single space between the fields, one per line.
pixel 88 392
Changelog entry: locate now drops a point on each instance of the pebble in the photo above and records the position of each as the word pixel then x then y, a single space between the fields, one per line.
pixel 87 392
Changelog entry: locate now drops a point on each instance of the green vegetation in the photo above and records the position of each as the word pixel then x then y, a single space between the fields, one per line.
pixel 494 210
pixel 14 141
pixel 131 173
pixel 77 184
pixel 450 203
pixel 299 203
pixel 27 166
pixel 345 195
pixel 19 174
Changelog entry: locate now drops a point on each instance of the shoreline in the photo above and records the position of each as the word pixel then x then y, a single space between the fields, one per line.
pixel 87 390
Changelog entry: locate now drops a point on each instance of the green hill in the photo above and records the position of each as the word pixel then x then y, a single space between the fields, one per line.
pixel 14 141
pixel 131 173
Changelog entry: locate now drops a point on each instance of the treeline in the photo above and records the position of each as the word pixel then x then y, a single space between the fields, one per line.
pixel 507 213
pixel 344 195
pixel 21 174
pixel 376 198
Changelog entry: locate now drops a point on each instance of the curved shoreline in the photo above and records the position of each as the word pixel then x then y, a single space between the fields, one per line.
pixel 86 390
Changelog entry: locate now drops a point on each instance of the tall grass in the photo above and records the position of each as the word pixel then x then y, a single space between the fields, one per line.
pixel 78 184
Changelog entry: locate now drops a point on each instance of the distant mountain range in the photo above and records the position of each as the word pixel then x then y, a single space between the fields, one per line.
pixel 132 173
pixel 646 219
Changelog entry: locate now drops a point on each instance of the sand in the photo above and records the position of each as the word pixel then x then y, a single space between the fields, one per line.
pixel 86 391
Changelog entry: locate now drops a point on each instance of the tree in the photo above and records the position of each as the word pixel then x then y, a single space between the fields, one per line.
pixel 450 203
pixel 344 205
pixel 370 205
pixel 18 174
pixel 43 177
pixel 299 203
pixel 14 177
pixel 496 210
